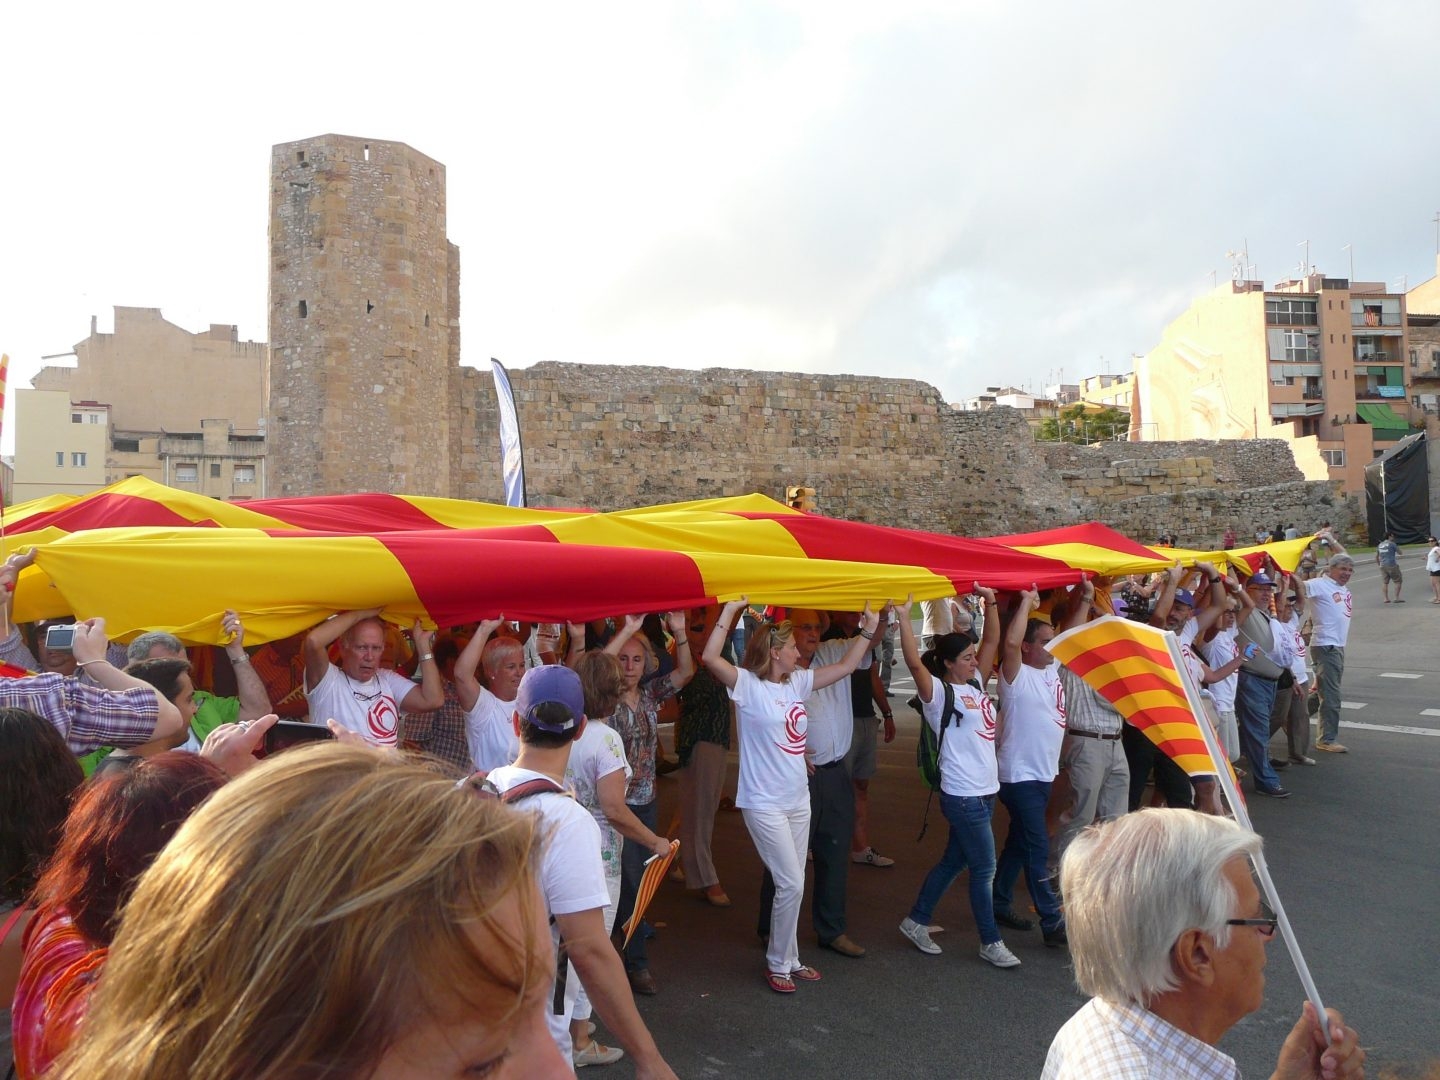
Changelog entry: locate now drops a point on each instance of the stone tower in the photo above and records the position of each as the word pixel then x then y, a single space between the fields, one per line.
pixel 364 319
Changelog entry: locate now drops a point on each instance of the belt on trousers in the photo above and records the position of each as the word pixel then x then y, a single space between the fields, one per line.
pixel 1262 678
pixel 1093 734
pixel 832 764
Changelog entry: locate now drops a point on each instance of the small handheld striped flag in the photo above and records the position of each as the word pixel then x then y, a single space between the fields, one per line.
pixel 655 869
pixel 1130 666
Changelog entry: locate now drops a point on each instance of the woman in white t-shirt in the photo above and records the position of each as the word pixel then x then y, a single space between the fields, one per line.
pixel 769 692
pixel 1432 567
pixel 969 777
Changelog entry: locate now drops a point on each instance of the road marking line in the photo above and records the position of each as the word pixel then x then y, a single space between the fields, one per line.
pixel 1353 704
pixel 1430 712
pixel 1400 675
pixel 1397 728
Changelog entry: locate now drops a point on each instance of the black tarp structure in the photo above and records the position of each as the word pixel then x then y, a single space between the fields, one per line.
pixel 1397 493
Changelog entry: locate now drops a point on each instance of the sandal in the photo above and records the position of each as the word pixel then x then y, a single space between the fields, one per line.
pixel 805 974
pixel 781 984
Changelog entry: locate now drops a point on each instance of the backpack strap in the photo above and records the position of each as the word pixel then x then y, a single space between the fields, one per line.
pixel 481 784
pixel 947 715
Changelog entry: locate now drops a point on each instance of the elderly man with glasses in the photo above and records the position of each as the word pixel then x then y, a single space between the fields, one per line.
pixel 1168 933
pixel 360 695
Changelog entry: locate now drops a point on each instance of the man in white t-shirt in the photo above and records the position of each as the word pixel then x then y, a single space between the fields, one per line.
pixel 549 716
pixel 1027 756
pixel 1290 710
pixel 939 618
pixel 360 695
pixel 1331 606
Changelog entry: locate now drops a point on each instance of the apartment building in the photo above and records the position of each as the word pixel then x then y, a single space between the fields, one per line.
pixel 148 399
pixel 1321 362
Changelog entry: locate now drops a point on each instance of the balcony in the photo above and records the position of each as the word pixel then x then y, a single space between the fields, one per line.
pixel 177 446
pixel 1376 318
pixel 1289 410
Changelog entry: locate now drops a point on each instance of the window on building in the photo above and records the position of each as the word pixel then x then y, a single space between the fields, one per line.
pixel 59 459
pixel 77 418
pixel 1292 312
pixel 78 460
pixel 187 473
pixel 96 418
pixel 304 310
pixel 244 474
pixel 1297 347
pixel 125 446
pixel 1334 458
pixel 215 470
pixel 1414 357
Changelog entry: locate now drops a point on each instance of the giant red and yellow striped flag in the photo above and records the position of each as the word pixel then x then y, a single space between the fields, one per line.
pixel 1133 668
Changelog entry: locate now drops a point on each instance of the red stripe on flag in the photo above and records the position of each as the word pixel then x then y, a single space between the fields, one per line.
pixel 108 511
pixel 1139 683
pixel 555 581
pixel 1117 648
pixel 362 514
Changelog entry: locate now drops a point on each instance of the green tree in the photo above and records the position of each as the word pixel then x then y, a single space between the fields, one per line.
pixel 1079 424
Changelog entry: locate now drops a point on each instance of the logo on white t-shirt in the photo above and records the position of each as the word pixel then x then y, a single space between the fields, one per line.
pixel 1059 717
pixel 981 703
pixel 1347 600
pixel 795 721
pixel 382 718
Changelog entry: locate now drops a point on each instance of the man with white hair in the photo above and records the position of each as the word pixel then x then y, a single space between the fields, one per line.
pixel 1167 933
pixel 1331 606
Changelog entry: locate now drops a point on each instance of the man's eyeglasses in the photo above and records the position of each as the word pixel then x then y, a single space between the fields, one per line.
pixel 1265 924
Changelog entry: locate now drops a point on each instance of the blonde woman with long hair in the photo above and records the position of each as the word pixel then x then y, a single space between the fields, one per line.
pixel 336 912
pixel 769 690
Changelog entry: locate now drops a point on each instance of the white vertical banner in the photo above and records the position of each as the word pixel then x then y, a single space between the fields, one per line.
pixel 512 454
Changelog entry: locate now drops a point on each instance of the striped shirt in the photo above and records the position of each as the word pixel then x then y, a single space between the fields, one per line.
pixel 1109 1041
pixel 1085 710
pixel 89 716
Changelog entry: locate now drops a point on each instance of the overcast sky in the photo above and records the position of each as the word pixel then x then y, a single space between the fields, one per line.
pixel 965 193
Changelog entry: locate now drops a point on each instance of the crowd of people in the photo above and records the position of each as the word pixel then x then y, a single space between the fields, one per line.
pixel 441 887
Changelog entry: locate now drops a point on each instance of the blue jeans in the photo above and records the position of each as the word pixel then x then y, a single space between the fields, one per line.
pixel 632 869
pixel 1027 847
pixel 971 844
pixel 1329 670
pixel 1254 700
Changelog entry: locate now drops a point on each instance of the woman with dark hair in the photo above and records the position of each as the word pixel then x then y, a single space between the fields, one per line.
pixel 969 775
pixel 118 824
pixel 769 690
pixel 36 786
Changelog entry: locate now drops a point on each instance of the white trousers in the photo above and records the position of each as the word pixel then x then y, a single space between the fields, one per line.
pixel 781 838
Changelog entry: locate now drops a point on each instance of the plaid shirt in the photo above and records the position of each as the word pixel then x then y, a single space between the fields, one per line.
pixel 441 733
pixel 1126 1042
pixel 1085 710
pixel 89 716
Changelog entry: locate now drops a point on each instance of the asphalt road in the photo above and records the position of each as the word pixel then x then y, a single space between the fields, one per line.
pixel 1353 853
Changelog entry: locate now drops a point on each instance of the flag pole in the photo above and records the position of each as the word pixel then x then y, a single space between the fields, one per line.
pixel 1226 778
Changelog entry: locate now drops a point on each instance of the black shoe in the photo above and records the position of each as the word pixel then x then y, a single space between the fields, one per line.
pixel 1277 763
pixel 1273 793
pixel 1007 917
pixel 1056 938
pixel 642 982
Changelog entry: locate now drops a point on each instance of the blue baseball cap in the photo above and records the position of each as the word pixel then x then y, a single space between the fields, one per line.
pixel 1185 596
pixel 551 684
pixel 1260 580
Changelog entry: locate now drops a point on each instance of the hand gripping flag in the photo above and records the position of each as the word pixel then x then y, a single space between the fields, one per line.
pixel 655 869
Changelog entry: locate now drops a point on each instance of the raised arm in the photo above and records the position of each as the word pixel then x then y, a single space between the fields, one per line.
pixel 632 626
pixel 924 683
pixel 833 673
pixel 1336 548
pixel 1015 634
pixel 467 685
pixel 249 687
pixel 430 694
pixel 89 649
pixel 990 636
pixel 318 642
pixel 1288 581
pixel 1081 603
pixel 1161 611
pixel 575 643
pixel 684 659
pixel 1209 615
pixel 725 672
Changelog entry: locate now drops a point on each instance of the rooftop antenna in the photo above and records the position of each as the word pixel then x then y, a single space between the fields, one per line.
pixel 1305 263
pixel 1351 249
pixel 1436 219
pixel 1404 280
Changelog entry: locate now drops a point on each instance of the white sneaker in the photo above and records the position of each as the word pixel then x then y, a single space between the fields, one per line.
pixel 870 857
pixel 596 1054
pixel 996 953
pixel 920 937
